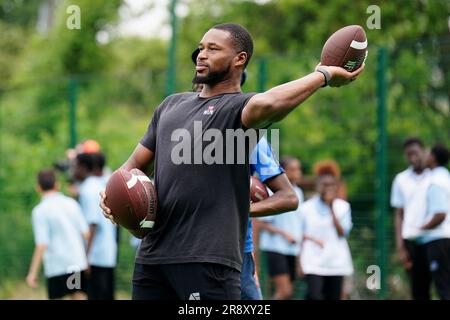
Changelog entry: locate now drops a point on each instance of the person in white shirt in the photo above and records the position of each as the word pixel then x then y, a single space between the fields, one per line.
pixel 436 237
pixel 408 197
pixel 102 244
pixel 280 237
pixel 326 222
pixel 59 228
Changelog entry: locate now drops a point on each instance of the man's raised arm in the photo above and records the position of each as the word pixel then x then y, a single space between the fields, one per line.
pixel 276 103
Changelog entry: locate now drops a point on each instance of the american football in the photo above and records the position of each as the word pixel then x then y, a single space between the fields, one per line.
pixel 258 190
pixel 132 199
pixel 345 48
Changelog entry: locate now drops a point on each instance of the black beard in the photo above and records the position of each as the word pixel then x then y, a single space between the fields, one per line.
pixel 212 78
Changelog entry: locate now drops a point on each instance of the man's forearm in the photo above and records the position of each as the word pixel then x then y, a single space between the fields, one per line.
pixel 437 219
pixel 398 228
pixel 92 230
pixel 275 204
pixel 276 103
pixel 271 106
pixel 140 159
pixel 128 165
pixel 37 259
pixel 289 95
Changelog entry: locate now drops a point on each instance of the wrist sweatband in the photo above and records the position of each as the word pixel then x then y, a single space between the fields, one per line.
pixel 326 74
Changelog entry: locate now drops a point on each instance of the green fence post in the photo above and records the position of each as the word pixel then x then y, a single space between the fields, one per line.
pixel 262 74
pixel 73 88
pixel 263 275
pixel 1 151
pixel 170 87
pixel 381 170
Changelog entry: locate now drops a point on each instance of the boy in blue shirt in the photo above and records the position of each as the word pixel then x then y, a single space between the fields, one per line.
pixel 436 227
pixel 265 165
pixel 102 244
pixel 59 228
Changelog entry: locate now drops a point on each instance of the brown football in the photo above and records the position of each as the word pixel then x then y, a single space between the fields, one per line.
pixel 345 48
pixel 258 190
pixel 132 199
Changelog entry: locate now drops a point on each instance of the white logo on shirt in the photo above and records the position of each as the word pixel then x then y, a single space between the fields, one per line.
pixel 194 296
pixel 209 111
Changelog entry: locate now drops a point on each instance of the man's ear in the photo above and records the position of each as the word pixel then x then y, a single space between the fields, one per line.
pixel 38 189
pixel 241 59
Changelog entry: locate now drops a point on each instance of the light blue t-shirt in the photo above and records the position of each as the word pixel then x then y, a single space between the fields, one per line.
pixel 291 223
pixel 437 202
pixel 103 252
pixel 264 163
pixel 59 223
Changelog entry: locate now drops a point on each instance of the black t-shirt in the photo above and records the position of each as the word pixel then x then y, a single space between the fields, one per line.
pixel 202 208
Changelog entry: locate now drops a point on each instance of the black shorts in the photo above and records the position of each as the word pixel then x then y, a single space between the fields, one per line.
pixel 66 284
pixel 100 283
pixel 279 264
pixel 186 281
pixel 323 287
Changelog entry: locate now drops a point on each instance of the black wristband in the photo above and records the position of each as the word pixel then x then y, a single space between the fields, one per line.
pixel 326 75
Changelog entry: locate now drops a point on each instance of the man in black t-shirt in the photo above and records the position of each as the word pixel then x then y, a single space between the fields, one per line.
pixel 194 250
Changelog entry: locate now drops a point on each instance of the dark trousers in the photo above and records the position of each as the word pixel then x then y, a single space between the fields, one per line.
pixel 438 254
pixel 419 274
pixel 323 287
pixel 431 263
pixel 100 283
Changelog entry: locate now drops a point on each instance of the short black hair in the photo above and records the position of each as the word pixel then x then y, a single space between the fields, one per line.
pixel 99 160
pixel 242 39
pixel 46 179
pixel 194 55
pixel 412 140
pixel 441 154
pixel 86 160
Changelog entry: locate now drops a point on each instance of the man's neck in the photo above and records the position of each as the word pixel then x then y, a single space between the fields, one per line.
pixel 98 174
pixel 88 176
pixel 226 86
pixel 48 192
pixel 418 170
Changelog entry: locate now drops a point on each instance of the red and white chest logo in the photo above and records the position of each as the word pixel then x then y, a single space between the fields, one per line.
pixel 209 111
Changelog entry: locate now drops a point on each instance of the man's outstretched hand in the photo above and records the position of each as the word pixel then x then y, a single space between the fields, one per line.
pixel 339 76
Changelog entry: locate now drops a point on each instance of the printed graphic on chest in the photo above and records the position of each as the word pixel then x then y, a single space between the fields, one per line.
pixel 209 111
